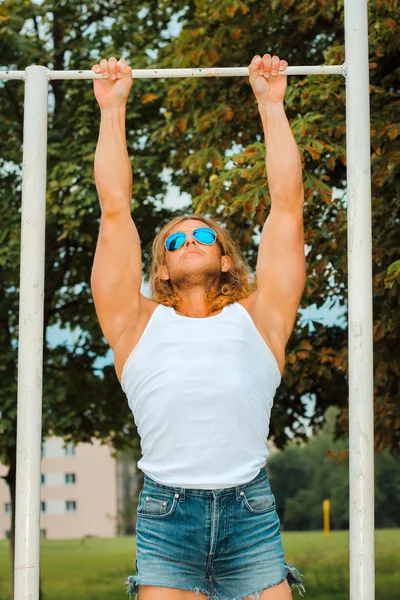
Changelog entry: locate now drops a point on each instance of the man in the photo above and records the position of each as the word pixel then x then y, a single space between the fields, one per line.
pixel 188 357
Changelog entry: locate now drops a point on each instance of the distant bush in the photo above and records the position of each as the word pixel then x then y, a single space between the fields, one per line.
pixel 303 476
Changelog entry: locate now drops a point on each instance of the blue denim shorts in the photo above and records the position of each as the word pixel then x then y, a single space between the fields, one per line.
pixel 223 543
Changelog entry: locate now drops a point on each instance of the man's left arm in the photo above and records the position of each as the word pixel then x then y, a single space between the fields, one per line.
pixel 281 261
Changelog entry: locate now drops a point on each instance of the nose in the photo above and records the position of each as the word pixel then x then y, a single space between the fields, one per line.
pixel 190 239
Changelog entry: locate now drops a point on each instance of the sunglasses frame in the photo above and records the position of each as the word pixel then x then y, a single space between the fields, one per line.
pixel 191 231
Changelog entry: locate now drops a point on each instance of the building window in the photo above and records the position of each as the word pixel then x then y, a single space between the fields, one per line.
pixel 7 533
pixel 69 450
pixel 7 508
pixel 43 479
pixel 43 507
pixel 43 534
pixel 70 478
pixel 43 453
pixel 70 506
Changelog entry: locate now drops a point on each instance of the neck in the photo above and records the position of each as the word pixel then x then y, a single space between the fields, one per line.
pixel 193 303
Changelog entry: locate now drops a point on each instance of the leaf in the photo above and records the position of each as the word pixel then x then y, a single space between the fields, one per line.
pixel 146 98
pixel 231 10
pixel 393 274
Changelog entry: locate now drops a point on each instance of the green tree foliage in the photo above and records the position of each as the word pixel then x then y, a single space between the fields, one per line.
pixel 208 133
pixel 303 476
pixel 81 401
pixel 217 154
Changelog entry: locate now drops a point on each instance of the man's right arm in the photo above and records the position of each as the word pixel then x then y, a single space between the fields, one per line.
pixel 117 268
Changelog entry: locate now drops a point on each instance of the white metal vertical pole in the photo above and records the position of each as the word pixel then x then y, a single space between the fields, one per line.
pixel 361 413
pixel 30 345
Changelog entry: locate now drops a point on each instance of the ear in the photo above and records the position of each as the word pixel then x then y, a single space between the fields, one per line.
pixel 164 275
pixel 226 264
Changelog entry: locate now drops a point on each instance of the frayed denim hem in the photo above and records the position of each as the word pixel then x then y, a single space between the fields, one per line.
pixel 133 586
pixel 294 579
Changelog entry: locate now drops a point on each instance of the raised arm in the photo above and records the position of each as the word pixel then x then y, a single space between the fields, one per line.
pixel 117 268
pixel 281 261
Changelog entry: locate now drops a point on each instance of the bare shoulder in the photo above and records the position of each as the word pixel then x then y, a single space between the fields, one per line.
pixel 265 326
pixel 132 334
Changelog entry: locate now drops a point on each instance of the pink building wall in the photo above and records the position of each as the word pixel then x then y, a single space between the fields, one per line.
pixel 94 492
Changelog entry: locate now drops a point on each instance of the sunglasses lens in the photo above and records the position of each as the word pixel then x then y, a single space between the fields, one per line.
pixel 205 235
pixel 175 241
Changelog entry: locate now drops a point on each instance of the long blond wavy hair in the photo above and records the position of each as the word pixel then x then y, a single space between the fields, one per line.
pixel 235 284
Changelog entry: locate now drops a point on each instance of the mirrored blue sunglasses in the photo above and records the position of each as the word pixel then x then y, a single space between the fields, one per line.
pixel 203 235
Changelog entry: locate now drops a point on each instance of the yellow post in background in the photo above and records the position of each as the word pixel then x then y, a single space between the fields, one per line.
pixel 326 507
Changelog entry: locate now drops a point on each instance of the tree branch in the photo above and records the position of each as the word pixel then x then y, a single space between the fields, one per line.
pixel 36 25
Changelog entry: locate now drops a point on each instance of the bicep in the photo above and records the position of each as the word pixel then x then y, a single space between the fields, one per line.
pixel 117 275
pixel 281 269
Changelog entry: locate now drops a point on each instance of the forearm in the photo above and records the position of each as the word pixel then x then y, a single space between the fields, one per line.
pixel 112 167
pixel 284 169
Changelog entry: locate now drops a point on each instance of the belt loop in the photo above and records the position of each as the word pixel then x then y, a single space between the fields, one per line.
pixel 238 489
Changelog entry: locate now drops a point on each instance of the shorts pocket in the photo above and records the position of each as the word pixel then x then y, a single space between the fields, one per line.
pixel 156 504
pixel 259 499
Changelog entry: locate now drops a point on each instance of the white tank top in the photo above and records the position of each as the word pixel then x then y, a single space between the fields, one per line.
pixel 201 392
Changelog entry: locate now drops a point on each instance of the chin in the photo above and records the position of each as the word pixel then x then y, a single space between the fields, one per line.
pixel 195 276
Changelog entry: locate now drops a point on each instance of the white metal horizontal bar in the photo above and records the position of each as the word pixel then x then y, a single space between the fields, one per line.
pixel 12 75
pixel 210 72
pixel 168 73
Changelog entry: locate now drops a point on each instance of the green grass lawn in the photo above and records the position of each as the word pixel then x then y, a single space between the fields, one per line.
pixel 96 568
